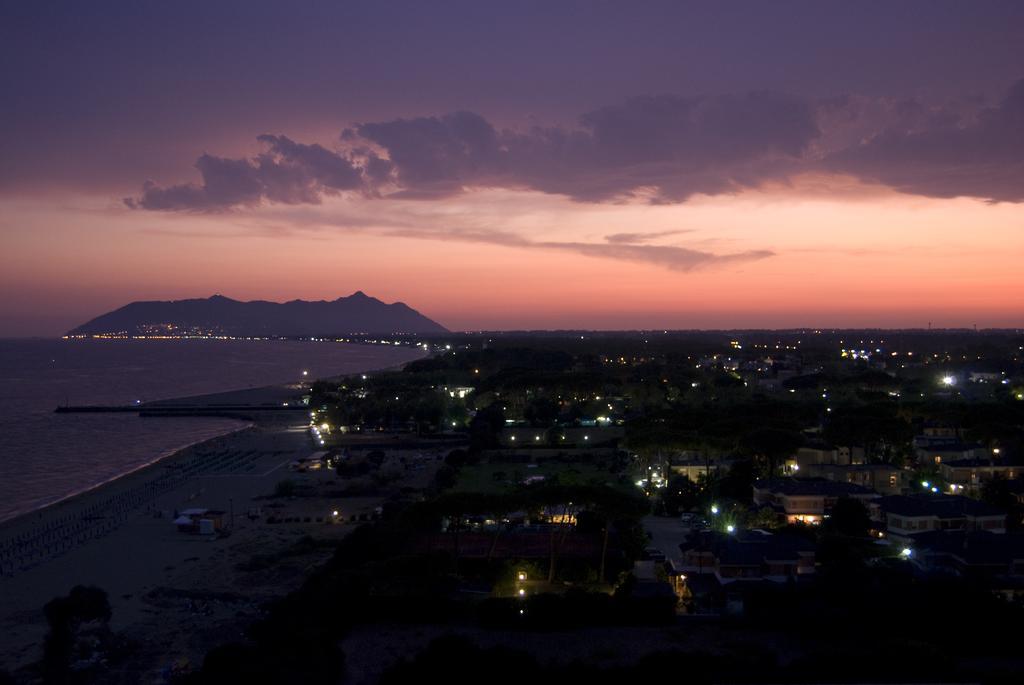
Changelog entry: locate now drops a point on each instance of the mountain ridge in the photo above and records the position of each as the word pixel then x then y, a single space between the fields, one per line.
pixel 221 315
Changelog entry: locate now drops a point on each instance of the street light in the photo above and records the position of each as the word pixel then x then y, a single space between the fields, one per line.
pixel 714 509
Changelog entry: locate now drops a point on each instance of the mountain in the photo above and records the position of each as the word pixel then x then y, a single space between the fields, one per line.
pixel 219 315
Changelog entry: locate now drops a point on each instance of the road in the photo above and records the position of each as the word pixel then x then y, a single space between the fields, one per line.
pixel 666 533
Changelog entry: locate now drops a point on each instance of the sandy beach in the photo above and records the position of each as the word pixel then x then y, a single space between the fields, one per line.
pixel 176 594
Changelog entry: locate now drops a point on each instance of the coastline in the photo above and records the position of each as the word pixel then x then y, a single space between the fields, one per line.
pixel 255 395
pixel 119 536
pixel 168 454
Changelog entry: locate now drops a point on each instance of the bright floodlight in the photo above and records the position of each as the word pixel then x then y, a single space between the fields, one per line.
pixel 948 380
pixel 714 508
pixel 906 552
pixel 730 528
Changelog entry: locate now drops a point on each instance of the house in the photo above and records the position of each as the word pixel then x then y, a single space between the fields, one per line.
pixel 974 471
pixel 996 560
pixel 749 555
pixel 932 430
pixel 939 451
pixel 806 500
pixel 694 466
pixel 882 478
pixel 815 453
pixel 902 517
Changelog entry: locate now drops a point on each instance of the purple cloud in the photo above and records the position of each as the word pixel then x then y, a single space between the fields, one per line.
pixel 662 149
pixel 286 172
pixel 946 156
pixel 666 256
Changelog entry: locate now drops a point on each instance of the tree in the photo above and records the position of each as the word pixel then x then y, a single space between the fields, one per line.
pixel 65 616
pixel 996 492
pixel 614 506
pixel 541 411
pixel 850 518
pixel 680 495
pixel 772 446
pixel 485 427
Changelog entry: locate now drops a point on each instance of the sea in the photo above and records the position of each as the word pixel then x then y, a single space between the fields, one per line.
pixel 46 457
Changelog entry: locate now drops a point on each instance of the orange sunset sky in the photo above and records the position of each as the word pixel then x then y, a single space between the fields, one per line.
pixel 616 175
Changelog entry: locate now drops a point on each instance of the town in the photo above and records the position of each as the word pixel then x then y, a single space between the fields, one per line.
pixel 781 483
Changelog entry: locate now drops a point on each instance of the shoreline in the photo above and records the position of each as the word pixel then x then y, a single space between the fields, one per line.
pixel 169 453
pixel 91 498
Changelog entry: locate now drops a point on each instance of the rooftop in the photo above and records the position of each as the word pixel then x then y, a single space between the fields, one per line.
pixel 942 506
pixel 811 486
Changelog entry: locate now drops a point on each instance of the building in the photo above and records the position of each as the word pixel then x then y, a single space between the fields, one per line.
pixel 882 478
pixel 902 517
pixel 749 555
pixel 981 556
pixel 816 453
pixel 694 466
pixel 940 451
pixel 806 500
pixel 972 472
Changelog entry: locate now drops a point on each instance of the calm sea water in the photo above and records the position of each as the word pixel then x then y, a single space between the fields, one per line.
pixel 45 456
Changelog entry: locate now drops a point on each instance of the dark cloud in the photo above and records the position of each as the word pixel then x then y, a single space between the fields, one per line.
pixel 286 172
pixel 942 155
pixel 660 149
pixel 441 152
pixel 666 147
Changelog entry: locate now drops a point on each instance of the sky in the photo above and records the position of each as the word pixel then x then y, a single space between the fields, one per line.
pixel 527 165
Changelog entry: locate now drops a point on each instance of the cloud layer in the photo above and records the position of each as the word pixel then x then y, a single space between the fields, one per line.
pixel 943 156
pixel 286 172
pixel 671 257
pixel 661 149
